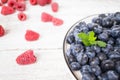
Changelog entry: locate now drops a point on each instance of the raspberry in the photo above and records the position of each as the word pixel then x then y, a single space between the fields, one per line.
pixel 20 6
pixel 33 2
pixel 31 35
pixel 4 1
pixel 22 16
pixel 6 10
pixel 1 4
pixel 45 17
pixel 26 58
pixel 20 1
pixel 2 31
pixel 42 2
pixel 54 7
pixel 12 3
pixel 49 1
pixel 57 22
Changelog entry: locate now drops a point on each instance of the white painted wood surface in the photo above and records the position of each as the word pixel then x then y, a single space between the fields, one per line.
pixel 48 49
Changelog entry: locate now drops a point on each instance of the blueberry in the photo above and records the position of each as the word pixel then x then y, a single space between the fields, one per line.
pixel 82 58
pixel 115 33
pixel 77 40
pixel 114 55
pixel 71 58
pixel 118 67
pixel 88 76
pixel 111 15
pixel 115 27
pixel 112 75
pixel 94 61
pixel 85 29
pixel 118 41
pixel 107 22
pixel 86 69
pixel 117 17
pixel 82 24
pixel 103 36
pixel 90 54
pixel 97 20
pixel 90 26
pixel 103 77
pixel 111 41
pixel 88 48
pixel 96 70
pixel 105 50
pixel 68 52
pixel 107 65
pixel 109 46
pixel 75 66
pixel 97 49
pixel 102 15
pixel 76 48
pixel 117 49
pixel 70 38
pixel 102 56
pixel 98 29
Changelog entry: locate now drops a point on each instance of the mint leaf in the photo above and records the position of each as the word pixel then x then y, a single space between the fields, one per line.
pixel 91 37
pixel 101 43
pixel 84 37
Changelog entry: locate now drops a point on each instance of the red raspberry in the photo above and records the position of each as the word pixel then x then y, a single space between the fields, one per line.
pixel 20 1
pixel 25 58
pixel 54 7
pixel 22 16
pixel 20 6
pixel 45 17
pixel 31 35
pixel 6 10
pixel 4 1
pixel 42 2
pixel 49 1
pixel 2 31
pixel 1 4
pixel 57 22
pixel 12 3
pixel 33 2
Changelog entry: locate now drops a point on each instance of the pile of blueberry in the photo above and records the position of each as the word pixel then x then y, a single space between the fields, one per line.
pixel 94 62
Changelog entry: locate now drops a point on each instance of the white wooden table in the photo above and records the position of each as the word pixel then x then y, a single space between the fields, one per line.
pixel 50 63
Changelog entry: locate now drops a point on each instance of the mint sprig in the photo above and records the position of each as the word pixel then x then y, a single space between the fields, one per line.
pixel 90 39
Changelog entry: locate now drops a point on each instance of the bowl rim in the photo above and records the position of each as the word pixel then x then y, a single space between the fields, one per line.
pixel 64 42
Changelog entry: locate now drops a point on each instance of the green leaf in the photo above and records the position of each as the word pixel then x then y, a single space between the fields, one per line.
pixel 84 37
pixel 91 34
pixel 101 43
pixel 86 43
pixel 92 38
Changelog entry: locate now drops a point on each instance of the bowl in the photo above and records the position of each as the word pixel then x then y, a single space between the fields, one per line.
pixel 94 20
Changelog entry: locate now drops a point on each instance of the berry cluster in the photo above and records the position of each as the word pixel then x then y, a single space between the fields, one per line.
pixel 11 6
pixel 19 5
pixel 46 17
pixel 95 62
